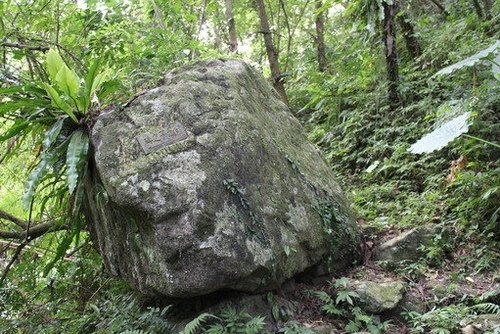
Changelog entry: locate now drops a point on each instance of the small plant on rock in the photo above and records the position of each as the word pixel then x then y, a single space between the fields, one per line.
pixel 343 305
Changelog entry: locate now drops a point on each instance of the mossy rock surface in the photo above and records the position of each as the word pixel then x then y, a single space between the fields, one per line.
pixel 208 182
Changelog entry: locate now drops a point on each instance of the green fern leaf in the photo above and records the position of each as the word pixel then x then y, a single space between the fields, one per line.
pixel 255 325
pixel 487 308
pixel 192 326
pixel 76 155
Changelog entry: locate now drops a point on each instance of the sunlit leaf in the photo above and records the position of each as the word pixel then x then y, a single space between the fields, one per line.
pixel 98 81
pixel 58 102
pixel 471 61
pixel 441 136
pixel 107 88
pixel 35 177
pixel 52 134
pixel 54 64
pixel 75 158
pixel 89 81
pixel 91 75
pixel 22 104
pixel 68 81
pixel 15 129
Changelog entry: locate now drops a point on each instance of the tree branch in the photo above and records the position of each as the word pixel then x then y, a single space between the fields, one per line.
pixel 23 46
pixel 34 231
pixel 18 221
pixel 14 258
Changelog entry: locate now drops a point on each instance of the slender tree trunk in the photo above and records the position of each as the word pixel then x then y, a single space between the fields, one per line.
pixel 487 5
pixel 391 56
pixel 272 54
pixel 411 41
pixel 441 7
pixel 320 37
pixel 477 7
pixel 231 26
pixel 489 29
pixel 202 20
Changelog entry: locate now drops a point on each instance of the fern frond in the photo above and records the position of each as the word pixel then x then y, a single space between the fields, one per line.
pixel 487 308
pixel 255 325
pixel 192 326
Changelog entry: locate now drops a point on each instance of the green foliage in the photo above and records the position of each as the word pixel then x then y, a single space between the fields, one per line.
pixel 195 324
pixel 487 54
pixel 228 321
pixel 344 307
pixel 294 327
pixel 75 297
pixel 62 64
pixel 448 319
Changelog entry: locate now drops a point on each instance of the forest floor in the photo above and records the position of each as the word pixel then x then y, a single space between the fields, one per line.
pixel 453 282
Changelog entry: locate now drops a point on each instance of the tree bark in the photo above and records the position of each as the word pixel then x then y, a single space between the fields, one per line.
pixel 477 7
pixel 231 26
pixel 391 56
pixel 272 54
pixel 411 41
pixel 441 7
pixel 487 5
pixel 320 37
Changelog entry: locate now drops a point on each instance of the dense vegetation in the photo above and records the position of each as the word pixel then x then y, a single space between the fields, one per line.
pixel 362 76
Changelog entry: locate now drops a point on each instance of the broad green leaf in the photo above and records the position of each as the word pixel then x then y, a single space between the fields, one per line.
pixel 22 104
pixel 58 102
pixel 471 61
pixel 76 155
pixel 68 81
pixel 30 88
pixel 441 136
pixel 91 75
pixel 35 177
pixel 52 134
pixel 17 127
pixel 12 89
pixel 89 81
pixel 108 88
pixel 98 81
pixel 54 64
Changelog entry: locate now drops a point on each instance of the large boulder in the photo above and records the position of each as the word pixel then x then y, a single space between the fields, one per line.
pixel 208 182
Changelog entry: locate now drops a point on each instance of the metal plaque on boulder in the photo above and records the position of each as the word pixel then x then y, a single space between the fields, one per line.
pixel 152 141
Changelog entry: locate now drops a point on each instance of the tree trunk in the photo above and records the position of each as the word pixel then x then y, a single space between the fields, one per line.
pixel 411 41
pixel 320 37
pixel 272 54
pixel 231 26
pixel 391 56
pixel 477 7
pixel 487 5
pixel 441 7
